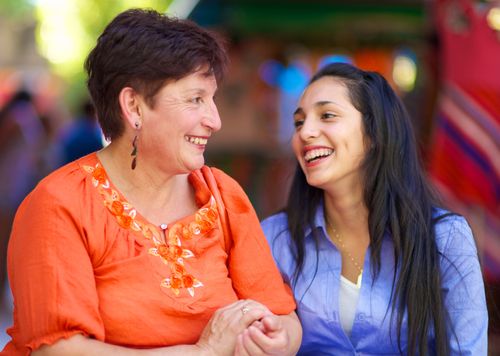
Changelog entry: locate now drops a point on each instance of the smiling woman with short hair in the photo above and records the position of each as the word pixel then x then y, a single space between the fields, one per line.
pixel 140 248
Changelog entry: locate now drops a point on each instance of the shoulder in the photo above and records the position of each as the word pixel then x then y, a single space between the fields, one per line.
pixel 231 191
pixel 67 177
pixel 275 225
pixel 52 212
pixel 60 189
pixel 275 228
pixel 453 234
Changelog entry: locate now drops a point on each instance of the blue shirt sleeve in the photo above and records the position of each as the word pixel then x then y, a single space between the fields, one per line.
pixel 462 287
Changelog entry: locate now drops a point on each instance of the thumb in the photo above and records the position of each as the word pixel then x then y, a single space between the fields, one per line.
pixel 272 323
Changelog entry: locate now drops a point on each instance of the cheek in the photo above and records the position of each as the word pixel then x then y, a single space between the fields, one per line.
pixel 363 143
pixel 358 151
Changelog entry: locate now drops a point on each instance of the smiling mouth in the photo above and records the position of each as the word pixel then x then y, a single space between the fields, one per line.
pixel 316 154
pixel 196 140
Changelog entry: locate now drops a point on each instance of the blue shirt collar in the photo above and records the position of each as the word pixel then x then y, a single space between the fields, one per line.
pixel 319 220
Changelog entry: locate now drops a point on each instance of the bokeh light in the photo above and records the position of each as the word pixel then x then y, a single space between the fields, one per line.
pixel 404 72
pixel 493 18
pixel 334 58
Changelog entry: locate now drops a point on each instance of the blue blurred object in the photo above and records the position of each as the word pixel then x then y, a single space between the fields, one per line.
pixel 81 137
pixel 334 58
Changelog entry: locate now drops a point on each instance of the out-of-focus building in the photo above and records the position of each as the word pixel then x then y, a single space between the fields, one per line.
pixel 276 45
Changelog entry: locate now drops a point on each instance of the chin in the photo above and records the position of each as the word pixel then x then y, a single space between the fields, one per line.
pixel 316 180
pixel 196 164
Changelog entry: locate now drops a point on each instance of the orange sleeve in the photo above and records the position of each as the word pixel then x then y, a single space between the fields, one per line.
pixel 50 271
pixel 251 266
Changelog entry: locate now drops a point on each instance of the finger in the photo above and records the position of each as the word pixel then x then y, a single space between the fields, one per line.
pixel 240 349
pixel 258 324
pixel 254 304
pixel 247 312
pixel 228 319
pixel 272 323
pixel 251 347
pixel 277 342
pixel 234 320
pixel 235 310
pixel 251 316
pixel 243 306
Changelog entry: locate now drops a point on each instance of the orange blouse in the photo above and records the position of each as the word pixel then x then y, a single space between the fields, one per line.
pixel 82 260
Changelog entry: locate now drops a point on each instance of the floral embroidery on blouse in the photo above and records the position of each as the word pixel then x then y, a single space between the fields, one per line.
pixel 168 248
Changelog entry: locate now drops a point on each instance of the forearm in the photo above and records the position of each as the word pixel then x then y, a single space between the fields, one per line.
pixel 291 324
pixel 79 345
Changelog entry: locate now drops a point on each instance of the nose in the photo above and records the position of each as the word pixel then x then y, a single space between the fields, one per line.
pixel 211 118
pixel 309 129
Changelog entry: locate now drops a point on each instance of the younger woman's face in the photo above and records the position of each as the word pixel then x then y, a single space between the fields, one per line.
pixel 329 140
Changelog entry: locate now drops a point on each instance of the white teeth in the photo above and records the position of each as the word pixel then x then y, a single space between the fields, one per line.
pixel 196 140
pixel 320 152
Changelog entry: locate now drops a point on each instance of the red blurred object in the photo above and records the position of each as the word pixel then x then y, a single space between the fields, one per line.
pixel 465 155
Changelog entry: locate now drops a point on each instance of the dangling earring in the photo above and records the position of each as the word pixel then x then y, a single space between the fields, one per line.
pixel 134 148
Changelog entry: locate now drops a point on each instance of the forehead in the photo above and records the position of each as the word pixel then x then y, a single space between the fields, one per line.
pixel 327 88
pixel 200 79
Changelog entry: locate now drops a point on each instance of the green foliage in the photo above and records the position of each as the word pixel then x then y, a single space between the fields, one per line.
pixel 67 32
pixel 96 14
pixel 15 8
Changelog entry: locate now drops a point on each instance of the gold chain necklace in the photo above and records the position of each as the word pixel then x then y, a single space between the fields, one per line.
pixel 343 248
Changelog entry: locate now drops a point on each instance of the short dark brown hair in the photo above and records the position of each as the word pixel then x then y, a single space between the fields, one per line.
pixel 144 49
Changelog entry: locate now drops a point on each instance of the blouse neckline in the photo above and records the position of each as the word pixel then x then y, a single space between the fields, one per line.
pixel 167 243
pixel 202 199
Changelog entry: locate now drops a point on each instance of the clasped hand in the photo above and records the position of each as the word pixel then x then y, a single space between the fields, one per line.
pixel 243 328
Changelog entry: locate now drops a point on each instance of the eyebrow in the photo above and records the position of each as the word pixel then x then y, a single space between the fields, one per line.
pixel 325 102
pixel 198 91
pixel 321 103
pixel 298 111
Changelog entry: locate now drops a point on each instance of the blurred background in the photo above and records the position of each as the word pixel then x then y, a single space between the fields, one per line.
pixel 441 56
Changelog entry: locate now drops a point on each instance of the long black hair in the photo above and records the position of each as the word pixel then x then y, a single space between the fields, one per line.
pixel 399 200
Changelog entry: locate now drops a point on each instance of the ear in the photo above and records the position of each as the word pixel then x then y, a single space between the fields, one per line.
pixel 129 101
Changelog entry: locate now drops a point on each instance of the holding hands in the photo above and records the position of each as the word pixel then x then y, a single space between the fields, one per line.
pixel 264 337
pixel 246 327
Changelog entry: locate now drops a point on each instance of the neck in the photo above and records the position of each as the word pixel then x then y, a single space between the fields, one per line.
pixel 347 212
pixel 145 187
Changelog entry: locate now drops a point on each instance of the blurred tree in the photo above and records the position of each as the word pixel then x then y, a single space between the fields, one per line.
pixel 67 30
pixel 15 8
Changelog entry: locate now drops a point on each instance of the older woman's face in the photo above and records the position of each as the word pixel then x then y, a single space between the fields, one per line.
pixel 329 142
pixel 176 130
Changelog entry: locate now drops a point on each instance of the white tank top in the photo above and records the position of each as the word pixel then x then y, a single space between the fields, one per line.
pixel 348 299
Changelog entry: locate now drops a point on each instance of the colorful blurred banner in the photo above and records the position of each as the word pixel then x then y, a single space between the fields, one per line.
pixel 465 155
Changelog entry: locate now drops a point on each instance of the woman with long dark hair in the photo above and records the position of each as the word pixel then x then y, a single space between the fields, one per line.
pixel 376 266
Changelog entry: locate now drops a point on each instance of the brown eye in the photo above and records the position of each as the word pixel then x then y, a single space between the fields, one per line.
pixel 298 123
pixel 328 115
pixel 197 100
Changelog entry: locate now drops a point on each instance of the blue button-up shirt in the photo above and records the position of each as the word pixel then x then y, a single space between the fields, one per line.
pixel 317 292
